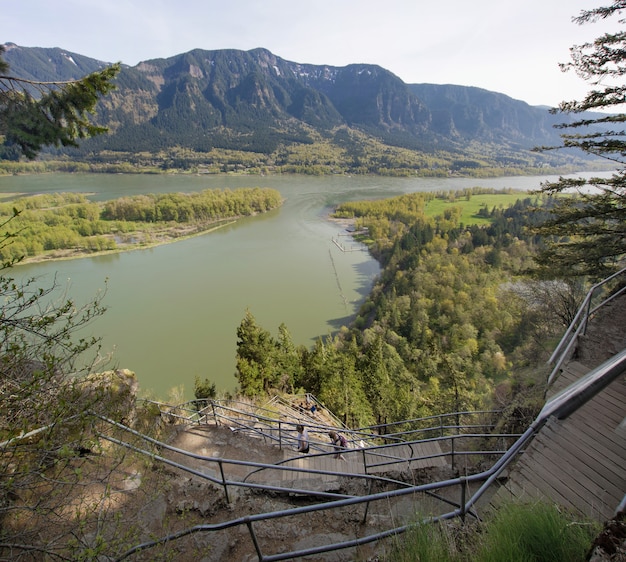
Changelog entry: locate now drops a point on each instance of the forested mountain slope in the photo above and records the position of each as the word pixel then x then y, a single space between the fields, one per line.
pixel 257 101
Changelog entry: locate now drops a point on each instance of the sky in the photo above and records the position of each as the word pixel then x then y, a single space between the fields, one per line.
pixel 508 46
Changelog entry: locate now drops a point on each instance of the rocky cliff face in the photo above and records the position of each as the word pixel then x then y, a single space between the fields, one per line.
pixel 257 100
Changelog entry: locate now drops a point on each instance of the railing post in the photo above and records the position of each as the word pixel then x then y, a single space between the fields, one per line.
pixel 586 316
pixel 257 546
pixel 367 504
pixel 280 435
pixel 224 481
pixel 214 412
pixel 452 440
pixel 463 482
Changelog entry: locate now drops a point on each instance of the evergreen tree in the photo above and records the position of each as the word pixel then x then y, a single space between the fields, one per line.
pixel 37 114
pixel 288 360
pixel 391 391
pixel 342 387
pixel 590 228
pixel 257 372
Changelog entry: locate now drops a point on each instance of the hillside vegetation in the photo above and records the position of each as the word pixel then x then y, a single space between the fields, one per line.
pixel 69 225
pixel 228 110
pixel 452 324
pixel 455 322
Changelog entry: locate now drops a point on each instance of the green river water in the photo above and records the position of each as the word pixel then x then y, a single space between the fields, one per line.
pixel 173 310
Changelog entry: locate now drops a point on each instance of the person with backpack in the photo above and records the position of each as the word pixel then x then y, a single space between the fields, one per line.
pixel 339 444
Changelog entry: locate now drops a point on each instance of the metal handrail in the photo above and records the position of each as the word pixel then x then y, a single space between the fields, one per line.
pixel 310 398
pixel 579 324
pixel 283 433
pixel 426 419
pixel 285 430
pixel 560 406
pixel 224 482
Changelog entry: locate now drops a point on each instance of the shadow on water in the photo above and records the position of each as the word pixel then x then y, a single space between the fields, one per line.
pixel 365 275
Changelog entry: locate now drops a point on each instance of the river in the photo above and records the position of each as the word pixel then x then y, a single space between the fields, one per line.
pixel 173 310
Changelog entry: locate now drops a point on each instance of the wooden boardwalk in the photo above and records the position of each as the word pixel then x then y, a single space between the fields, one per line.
pixel 378 461
pixel 578 462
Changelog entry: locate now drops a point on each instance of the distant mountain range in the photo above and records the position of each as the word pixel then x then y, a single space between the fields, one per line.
pixel 257 101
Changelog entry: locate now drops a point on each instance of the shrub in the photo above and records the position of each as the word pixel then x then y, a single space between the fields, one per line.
pixel 537 531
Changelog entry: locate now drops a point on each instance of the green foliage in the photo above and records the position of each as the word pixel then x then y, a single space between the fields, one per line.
pixel 515 533
pixel 475 206
pixel 210 205
pixel 426 542
pixel 66 221
pixel 444 325
pixel 49 392
pixel 536 532
pixel 57 117
pixel 589 229
pixel 324 121
pixel 45 400
pixel 263 362
pixel 203 390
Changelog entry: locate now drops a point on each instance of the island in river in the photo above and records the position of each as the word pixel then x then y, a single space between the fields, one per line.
pixel 69 225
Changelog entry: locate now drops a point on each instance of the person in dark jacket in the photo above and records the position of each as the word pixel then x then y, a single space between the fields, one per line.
pixel 339 444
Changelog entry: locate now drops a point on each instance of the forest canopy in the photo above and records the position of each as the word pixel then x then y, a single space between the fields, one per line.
pixel 450 319
pixel 53 225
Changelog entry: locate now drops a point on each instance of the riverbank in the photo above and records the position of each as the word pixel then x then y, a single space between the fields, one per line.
pixel 60 225
pixel 140 241
pixel 173 311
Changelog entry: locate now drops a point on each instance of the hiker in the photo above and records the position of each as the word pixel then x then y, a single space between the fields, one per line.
pixel 339 444
pixel 303 439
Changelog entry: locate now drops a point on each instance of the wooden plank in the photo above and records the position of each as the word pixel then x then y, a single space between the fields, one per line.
pixel 572 454
pixel 600 464
pixel 598 437
pixel 618 390
pixel 539 475
pixel 594 437
pixel 432 449
pixel 577 462
pixel 602 412
pixel 535 485
pixel 607 462
pixel 545 485
pixel 545 491
pixel 595 440
pixel 545 472
pixel 564 380
pixel 569 472
pixel 616 393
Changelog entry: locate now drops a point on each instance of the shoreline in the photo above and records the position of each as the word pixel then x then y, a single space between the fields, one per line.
pixel 74 254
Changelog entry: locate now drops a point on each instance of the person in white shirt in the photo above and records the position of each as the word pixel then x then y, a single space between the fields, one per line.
pixel 303 439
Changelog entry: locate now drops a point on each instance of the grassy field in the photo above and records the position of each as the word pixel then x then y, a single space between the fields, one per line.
pixel 470 207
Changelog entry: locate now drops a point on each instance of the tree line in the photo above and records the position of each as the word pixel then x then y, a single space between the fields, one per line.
pixel 69 221
pixel 451 322
pixel 443 326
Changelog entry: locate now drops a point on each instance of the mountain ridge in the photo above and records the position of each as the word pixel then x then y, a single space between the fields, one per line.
pixel 257 101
